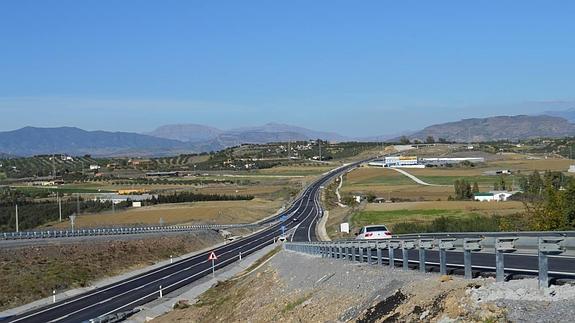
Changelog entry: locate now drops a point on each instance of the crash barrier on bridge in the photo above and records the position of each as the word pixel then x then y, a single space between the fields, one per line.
pixel 540 244
pixel 116 231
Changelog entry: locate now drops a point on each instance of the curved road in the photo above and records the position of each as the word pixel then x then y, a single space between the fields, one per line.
pixel 141 289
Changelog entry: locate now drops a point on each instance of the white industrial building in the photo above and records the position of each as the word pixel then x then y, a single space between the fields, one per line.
pixel 398 161
pixel 415 162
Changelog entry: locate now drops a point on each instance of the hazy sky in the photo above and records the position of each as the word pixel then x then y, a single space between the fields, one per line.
pixel 355 67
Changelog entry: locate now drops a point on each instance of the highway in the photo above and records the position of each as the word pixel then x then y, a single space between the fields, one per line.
pixel 141 289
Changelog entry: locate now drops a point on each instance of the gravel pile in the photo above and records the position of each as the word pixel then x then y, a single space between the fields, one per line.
pixel 524 302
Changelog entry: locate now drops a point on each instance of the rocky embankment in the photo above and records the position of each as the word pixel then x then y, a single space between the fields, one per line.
pixel 292 287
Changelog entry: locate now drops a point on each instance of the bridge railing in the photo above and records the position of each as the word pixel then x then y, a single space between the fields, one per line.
pixel 44 234
pixel 534 244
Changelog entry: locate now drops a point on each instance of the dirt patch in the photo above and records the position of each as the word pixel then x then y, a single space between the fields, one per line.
pixel 31 273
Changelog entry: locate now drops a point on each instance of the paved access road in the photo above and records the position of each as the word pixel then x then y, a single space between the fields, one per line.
pixel 141 289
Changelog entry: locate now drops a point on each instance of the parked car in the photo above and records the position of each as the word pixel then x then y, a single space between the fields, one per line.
pixel 370 232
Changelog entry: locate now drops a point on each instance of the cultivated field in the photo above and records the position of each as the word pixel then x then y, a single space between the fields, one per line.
pixel 217 212
pixel 426 203
pixel 391 213
pixel 388 183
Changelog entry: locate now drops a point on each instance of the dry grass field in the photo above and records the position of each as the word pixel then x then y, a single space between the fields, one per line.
pixel 30 273
pixel 502 208
pixel 218 212
pixel 308 169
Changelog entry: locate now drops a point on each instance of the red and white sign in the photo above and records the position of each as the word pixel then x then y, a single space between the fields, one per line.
pixel 213 256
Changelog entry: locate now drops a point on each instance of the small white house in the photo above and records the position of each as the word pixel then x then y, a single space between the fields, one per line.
pixel 94 167
pixel 501 196
pixel 571 169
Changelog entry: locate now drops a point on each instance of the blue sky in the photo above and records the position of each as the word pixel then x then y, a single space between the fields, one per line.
pixel 356 67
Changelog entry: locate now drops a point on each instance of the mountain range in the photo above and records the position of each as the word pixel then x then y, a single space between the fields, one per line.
pixel 193 138
pixel 165 140
pixel 499 128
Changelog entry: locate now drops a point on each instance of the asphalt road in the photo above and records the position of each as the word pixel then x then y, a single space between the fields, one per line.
pixel 526 264
pixel 141 289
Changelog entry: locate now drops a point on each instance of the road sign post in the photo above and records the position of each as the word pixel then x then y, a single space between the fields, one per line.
pixel 213 258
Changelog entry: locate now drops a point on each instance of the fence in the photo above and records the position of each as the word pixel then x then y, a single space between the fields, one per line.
pixel 528 244
pixel 45 234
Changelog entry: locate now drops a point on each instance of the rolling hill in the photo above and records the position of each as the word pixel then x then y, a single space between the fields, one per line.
pixel 498 128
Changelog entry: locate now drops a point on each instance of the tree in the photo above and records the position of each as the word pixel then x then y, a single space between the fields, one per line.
pixel 442 140
pixel 462 190
pixel 475 187
pixel 535 185
pixel 404 140
pixel 430 140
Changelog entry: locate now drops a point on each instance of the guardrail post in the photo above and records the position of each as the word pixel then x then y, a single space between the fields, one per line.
pixel 444 244
pixel 353 257
pixel 423 244
pixel 378 248
pixel 369 249
pixel 361 253
pixel 469 245
pixel 502 246
pixel 391 246
pixel 547 246
pixel 340 252
pixel 405 246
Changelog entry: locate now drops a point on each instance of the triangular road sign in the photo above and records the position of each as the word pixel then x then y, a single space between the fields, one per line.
pixel 213 256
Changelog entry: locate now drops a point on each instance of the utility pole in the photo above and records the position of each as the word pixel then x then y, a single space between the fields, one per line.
pixel 319 143
pixel 17 228
pixel 59 205
pixel 289 149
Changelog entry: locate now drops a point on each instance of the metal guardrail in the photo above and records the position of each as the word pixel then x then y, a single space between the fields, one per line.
pixel 540 244
pixel 46 234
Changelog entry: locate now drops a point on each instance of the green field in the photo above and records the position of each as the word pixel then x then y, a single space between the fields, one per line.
pixel 2 176
pixel 449 180
pixel 398 216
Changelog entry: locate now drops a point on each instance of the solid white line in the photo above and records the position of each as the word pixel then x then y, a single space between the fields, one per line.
pixel 266 238
pixel 174 284
pixel 154 271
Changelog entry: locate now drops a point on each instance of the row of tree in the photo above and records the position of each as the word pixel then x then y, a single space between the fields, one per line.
pixel 464 190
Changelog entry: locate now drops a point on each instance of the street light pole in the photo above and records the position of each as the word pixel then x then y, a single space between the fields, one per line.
pixel 17 229
pixel 59 205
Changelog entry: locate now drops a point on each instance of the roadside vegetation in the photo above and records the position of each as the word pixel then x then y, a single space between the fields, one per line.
pixel 32 273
